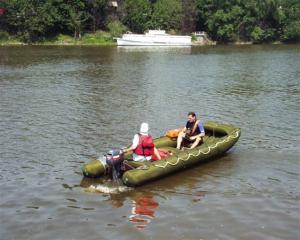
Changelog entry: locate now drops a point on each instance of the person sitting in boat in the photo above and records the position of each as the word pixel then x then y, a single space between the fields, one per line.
pixel 143 145
pixel 193 132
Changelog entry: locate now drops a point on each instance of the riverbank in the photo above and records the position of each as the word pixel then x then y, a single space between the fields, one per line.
pixel 100 38
pixel 111 43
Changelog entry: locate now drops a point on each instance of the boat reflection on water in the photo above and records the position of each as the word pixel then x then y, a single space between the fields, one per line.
pixel 176 49
pixel 143 206
pixel 143 211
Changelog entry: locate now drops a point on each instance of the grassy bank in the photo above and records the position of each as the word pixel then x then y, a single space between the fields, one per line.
pixel 100 38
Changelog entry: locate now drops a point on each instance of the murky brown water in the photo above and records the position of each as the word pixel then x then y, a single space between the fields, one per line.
pixel 62 106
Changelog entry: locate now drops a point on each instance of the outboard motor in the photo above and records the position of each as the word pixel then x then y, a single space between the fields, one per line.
pixel 114 159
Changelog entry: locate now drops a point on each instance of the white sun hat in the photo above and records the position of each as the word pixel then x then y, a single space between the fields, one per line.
pixel 144 128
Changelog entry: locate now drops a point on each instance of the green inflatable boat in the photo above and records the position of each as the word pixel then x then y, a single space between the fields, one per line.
pixel 218 139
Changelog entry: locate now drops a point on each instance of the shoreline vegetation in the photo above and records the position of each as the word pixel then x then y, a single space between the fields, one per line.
pixel 102 38
pixel 99 22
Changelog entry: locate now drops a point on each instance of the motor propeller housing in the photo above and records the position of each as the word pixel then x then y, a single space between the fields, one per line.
pixel 114 159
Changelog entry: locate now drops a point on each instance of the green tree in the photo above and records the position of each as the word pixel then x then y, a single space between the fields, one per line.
pixel 203 10
pixel 73 16
pixel 231 20
pixel 98 13
pixel 189 16
pixel 224 20
pixel 76 21
pixel 291 22
pixel 223 24
pixel 116 28
pixel 291 32
pixel 167 14
pixel 257 34
pixel 137 15
pixel 269 19
pixel 30 20
pixel 219 18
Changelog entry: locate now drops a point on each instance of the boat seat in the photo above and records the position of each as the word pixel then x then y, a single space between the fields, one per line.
pixel 205 138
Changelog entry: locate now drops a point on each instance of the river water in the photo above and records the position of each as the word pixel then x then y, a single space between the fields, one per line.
pixel 63 106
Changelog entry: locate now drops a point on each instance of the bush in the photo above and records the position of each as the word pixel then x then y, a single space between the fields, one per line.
pixel 257 35
pixel 194 38
pixel 116 28
pixel 172 32
pixel 4 36
pixel 61 38
pixel 100 37
pixel 291 32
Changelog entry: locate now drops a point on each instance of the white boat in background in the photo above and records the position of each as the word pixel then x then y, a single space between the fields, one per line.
pixel 154 38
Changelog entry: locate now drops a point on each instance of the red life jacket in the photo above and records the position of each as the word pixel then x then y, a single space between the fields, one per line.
pixel 145 146
pixel 2 11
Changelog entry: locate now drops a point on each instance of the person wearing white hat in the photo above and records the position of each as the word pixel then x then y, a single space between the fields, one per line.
pixel 143 145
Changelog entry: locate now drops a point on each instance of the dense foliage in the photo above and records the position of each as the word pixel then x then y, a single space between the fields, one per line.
pixel 223 20
pixel 252 20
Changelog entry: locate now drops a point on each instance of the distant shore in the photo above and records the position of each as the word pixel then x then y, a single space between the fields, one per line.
pixel 104 39
pixel 80 43
pixel 77 43
pixel 100 38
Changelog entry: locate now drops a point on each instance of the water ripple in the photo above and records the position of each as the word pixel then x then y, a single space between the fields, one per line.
pixel 60 107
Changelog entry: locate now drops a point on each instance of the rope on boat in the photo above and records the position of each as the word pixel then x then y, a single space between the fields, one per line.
pixel 237 133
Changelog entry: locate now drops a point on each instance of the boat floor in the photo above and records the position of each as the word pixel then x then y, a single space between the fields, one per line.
pixel 208 140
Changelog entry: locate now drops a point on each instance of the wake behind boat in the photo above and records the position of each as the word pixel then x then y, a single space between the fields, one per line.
pixel 154 38
pixel 218 139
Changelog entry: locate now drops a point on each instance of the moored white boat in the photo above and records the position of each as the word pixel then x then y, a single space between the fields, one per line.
pixel 154 38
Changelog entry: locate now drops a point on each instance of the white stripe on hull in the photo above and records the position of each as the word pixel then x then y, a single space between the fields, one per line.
pixel 135 43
